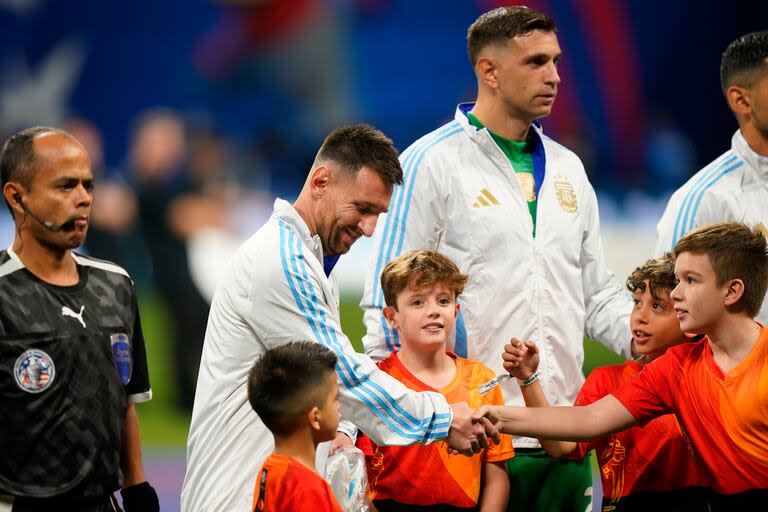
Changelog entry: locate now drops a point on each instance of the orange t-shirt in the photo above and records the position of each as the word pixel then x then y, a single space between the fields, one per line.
pixel 656 457
pixel 428 474
pixel 724 415
pixel 284 484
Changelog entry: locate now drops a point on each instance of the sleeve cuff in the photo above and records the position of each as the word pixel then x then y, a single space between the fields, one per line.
pixel 348 428
pixel 140 397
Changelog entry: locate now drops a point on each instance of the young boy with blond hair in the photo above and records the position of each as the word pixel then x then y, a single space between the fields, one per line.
pixel 715 387
pixel 648 467
pixel 293 389
pixel 420 289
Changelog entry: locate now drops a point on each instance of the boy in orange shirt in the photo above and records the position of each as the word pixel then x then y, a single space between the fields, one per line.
pixel 642 468
pixel 717 387
pixel 293 389
pixel 420 289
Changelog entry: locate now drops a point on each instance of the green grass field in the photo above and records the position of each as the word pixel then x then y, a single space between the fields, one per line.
pixel 163 425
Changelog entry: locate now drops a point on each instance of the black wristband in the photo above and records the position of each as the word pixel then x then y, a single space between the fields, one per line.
pixel 140 498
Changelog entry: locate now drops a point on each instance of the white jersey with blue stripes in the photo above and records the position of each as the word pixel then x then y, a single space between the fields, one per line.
pixel 734 187
pixel 276 291
pixel 461 197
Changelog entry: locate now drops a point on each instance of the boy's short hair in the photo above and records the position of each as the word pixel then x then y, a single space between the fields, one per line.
pixel 428 267
pixel 497 26
pixel 287 381
pixel 660 274
pixel 735 252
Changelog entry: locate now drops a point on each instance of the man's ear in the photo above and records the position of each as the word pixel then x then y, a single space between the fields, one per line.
pixel 389 314
pixel 739 100
pixel 320 179
pixel 458 309
pixel 487 71
pixel 12 194
pixel 313 418
pixel 733 292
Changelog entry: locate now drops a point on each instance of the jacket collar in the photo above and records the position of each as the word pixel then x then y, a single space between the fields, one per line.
pixel 757 162
pixel 285 212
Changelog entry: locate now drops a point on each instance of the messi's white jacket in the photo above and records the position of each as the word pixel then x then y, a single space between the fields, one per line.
pixel 734 187
pixel 461 197
pixel 276 291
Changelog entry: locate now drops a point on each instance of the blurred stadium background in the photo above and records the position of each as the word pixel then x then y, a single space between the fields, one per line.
pixel 198 113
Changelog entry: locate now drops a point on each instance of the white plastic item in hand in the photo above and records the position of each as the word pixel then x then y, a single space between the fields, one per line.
pixel 484 388
pixel 346 473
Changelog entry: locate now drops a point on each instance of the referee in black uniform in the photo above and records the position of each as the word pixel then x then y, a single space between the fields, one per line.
pixel 72 357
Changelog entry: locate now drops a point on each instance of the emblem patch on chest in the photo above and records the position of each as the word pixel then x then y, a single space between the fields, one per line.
pixel 34 371
pixel 566 196
pixel 527 185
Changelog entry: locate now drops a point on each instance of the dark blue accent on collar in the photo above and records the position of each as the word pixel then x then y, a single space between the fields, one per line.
pixel 329 262
pixel 539 159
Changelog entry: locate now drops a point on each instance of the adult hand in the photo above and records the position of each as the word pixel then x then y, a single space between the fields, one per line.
pixel 341 440
pixel 467 436
pixel 520 359
pixel 140 498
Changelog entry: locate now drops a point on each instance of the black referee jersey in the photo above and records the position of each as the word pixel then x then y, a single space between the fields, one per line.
pixel 71 357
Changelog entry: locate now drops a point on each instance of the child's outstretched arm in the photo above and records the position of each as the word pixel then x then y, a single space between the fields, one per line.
pixel 521 360
pixel 598 419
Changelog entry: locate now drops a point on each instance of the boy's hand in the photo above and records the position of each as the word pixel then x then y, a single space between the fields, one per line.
pixel 490 413
pixel 341 440
pixel 521 359
pixel 468 436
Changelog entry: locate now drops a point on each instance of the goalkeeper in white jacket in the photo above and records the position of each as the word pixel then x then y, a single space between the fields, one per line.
pixel 516 212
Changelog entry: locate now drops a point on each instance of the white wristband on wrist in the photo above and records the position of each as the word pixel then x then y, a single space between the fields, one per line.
pixel 530 380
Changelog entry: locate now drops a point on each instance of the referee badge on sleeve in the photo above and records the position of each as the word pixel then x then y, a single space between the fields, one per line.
pixel 121 356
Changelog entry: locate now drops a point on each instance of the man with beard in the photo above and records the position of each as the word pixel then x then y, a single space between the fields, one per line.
pixel 279 288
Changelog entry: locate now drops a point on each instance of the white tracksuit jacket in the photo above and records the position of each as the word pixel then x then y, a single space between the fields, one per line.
pixel 276 291
pixel 460 197
pixel 734 187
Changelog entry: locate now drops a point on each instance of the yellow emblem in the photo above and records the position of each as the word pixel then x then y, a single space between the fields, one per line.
pixel 565 194
pixel 762 229
pixel 526 184
pixel 485 199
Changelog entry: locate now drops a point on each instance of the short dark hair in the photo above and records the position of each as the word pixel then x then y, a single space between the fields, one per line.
pixel 18 156
pixel 361 145
pixel 287 381
pixel 660 274
pixel 735 252
pixel 427 267
pixel 499 25
pixel 744 60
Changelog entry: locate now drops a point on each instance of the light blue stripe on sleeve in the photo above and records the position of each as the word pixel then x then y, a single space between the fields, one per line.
pixel 711 182
pixel 399 212
pixel 461 348
pixel 682 215
pixel 294 268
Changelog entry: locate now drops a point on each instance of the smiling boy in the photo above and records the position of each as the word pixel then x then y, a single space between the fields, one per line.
pixel 715 387
pixel 420 289
pixel 644 467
